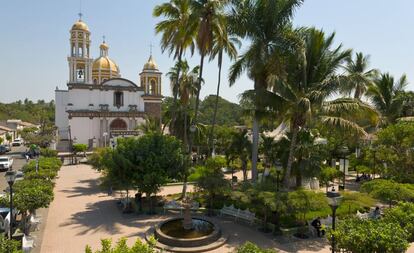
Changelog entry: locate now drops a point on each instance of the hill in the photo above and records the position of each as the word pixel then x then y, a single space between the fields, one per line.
pixel 28 111
pixel 228 113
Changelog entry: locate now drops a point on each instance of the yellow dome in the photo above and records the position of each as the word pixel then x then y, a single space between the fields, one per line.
pixel 151 65
pixel 104 46
pixel 104 63
pixel 80 25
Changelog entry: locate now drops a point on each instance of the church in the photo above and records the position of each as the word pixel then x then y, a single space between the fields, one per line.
pixel 99 105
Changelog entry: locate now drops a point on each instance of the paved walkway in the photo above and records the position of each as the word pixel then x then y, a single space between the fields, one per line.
pixel 81 214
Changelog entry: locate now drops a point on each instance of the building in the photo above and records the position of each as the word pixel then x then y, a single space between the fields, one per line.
pixel 4 132
pixel 99 103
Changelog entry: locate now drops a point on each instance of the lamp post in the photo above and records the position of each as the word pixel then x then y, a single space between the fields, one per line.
pixel 343 153
pixel 104 135
pixel 334 199
pixel 10 177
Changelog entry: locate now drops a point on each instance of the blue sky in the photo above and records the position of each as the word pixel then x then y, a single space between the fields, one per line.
pixel 34 41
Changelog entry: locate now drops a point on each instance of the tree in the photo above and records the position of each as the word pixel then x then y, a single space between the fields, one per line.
pixel 122 247
pixel 384 94
pixel 212 180
pixel 394 148
pixel 388 191
pixel 357 77
pixel 240 148
pixel 209 14
pixel 300 202
pixel 78 148
pixel 366 236
pixel 263 23
pixel 301 97
pixel 178 31
pixel 223 42
pixel 30 195
pixel 149 162
pixel 329 174
pixel 151 125
pixel 1 140
pixel 249 247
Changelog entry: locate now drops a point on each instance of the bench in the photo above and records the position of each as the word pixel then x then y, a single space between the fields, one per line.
pixel 238 213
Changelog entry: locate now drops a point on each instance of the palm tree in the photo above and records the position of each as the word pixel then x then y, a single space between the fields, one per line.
pixel 300 97
pixel 188 82
pixel 358 78
pixel 223 43
pixel 178 33
pixel 240 147
pixel 151 125
pixel 211 21
pixel 385 95
pixel 263 23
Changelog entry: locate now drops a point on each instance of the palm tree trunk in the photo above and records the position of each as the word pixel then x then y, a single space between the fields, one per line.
pixel 295 130
pixel 213 124
pixel 255 148
pixel 185 139
pixel 197 102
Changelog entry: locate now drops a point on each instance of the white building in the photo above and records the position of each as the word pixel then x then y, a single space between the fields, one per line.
pixel 98 103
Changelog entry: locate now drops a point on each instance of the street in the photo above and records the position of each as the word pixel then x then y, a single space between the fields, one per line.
pixel 18 163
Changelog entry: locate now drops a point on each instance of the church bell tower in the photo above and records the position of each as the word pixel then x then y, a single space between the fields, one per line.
pixel 80 62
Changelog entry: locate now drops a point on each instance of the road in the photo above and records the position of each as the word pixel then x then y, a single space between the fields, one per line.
pixel 18 163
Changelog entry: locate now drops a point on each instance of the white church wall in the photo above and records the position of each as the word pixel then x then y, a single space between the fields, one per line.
pixel 61 116
pixel 81 99
pixel 84 129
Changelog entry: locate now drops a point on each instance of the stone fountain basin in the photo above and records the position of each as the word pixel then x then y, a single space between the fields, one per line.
pixel 187 242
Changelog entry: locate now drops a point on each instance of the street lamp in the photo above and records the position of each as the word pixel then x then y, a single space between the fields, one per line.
pixel 104 135
pixel 10 177
pixel 334 199
pixel 343 153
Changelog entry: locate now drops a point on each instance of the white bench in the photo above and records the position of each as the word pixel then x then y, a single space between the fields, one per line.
pixel 238 213
pixel 27 244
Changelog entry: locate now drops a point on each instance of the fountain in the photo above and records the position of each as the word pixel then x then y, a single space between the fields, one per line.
pixel 188 234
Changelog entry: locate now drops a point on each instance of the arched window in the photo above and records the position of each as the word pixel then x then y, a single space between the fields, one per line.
pixel 118 124
pixel 153 87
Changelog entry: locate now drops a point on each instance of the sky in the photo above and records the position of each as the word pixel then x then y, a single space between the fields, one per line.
pixel 34 40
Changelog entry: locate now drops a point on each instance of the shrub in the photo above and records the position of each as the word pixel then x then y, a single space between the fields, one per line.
pixel 388 190
pixel 366 236
pixel 11 246
pixel 47 152
pixel 122 247
pixel 44 174
pixel 46 163
pixel 301 202
pixel 402 214
pixel 79 148
pixel 249 247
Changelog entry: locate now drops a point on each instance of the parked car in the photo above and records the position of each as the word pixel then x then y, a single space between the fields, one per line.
pixel 3 150
pixel 6 163
pixel 17 142
pixel 8 148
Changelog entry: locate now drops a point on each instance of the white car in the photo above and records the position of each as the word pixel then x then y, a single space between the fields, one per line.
pixel 17 142
pixel 6 163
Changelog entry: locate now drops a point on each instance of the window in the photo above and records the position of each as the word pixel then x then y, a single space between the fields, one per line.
pixel 118 99
pixel 153 87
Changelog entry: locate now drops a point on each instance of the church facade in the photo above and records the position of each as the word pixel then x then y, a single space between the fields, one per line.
pixel 98 103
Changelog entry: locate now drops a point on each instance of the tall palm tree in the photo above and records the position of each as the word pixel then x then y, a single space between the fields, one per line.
pixel 188 83
pixel 301 96
pixel 222 43
pixel 178 33
pixel 211 21
pixel 384 94
pixel 263 23
pixel 358 78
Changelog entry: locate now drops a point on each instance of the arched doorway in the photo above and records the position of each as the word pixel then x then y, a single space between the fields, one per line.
pixel 118 124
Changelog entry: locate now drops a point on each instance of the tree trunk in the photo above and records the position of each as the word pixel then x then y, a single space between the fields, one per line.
pixel 255 148
pixel 177 83
pixel 213 124
pixel 197 102
pixel 286 180
pixel 185 129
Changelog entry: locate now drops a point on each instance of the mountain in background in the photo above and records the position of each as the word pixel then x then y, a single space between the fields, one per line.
pixel 228 113
pixel 29 111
